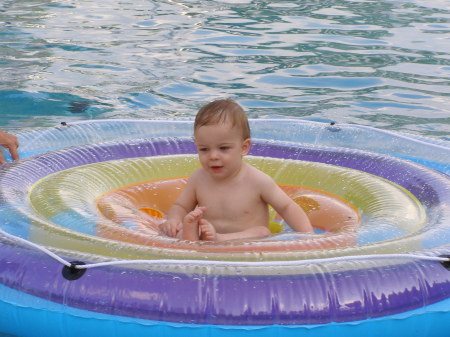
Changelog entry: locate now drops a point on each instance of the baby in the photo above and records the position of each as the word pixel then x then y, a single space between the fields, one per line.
pixel 227 199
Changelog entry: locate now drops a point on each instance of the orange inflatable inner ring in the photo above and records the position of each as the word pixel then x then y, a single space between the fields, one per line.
pixel 134 212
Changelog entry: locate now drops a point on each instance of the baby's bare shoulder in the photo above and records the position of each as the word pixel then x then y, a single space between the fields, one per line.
pixel 198 174
pixel 257 173
pixel 196 179
pixel 258 177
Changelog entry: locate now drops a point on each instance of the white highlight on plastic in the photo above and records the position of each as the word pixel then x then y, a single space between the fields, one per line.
pixel 223 263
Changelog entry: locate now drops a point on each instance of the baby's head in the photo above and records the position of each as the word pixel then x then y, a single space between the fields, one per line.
pixel 223 111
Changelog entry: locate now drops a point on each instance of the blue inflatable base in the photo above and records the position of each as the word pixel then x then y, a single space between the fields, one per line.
pixel 23 315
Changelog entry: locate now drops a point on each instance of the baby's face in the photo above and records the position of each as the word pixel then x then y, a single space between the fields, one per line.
pixel 220 149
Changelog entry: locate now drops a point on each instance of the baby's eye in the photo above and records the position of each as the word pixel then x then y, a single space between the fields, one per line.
pixel 224 148
pixel 203 149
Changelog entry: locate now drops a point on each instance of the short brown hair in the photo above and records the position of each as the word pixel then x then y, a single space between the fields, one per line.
pixel 221 111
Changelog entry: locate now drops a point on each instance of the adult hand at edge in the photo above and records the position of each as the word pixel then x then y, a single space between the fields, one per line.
pixel 11 143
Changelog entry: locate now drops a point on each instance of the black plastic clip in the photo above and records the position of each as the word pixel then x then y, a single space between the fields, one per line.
pixel 333 127
pixel 72 273
pixel 446 264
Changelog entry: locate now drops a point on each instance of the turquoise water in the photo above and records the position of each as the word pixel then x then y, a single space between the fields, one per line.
pixel 379 63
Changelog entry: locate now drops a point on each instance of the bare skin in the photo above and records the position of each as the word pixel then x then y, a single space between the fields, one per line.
pixel 233 195
pixel 11 143
pixel 191 224
pixel 196 228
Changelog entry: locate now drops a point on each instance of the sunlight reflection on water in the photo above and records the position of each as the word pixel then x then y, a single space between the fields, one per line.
pixel 384 63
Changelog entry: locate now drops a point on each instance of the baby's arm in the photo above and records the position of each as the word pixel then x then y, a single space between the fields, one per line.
pixel 292 213
pixel 295 217
pixel 185 203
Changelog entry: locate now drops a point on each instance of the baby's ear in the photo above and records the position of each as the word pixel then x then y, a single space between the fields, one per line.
pixel 246 145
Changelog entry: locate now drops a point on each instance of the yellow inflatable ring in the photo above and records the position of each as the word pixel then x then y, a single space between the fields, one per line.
pixel 376 199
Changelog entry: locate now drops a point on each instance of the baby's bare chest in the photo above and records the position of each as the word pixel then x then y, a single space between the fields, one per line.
pixel 229 201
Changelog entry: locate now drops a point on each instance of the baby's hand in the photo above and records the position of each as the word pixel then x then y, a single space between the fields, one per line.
pixel 170 228
pixel 11 143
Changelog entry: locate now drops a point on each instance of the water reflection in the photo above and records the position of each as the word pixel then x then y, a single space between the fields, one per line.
pixel 382 63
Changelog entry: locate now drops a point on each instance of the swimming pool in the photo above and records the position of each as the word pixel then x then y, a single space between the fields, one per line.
pixel 334 60
pixel 383 64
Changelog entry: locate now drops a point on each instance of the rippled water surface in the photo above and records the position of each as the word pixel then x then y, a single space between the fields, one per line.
pixel 379 63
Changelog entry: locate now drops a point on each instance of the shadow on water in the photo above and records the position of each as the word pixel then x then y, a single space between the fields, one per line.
pixel 15 104
pixel 7 335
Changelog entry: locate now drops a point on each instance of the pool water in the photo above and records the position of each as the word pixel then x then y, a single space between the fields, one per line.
pixel 379 63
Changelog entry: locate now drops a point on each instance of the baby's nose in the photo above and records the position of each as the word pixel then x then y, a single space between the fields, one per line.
pixel 214 154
